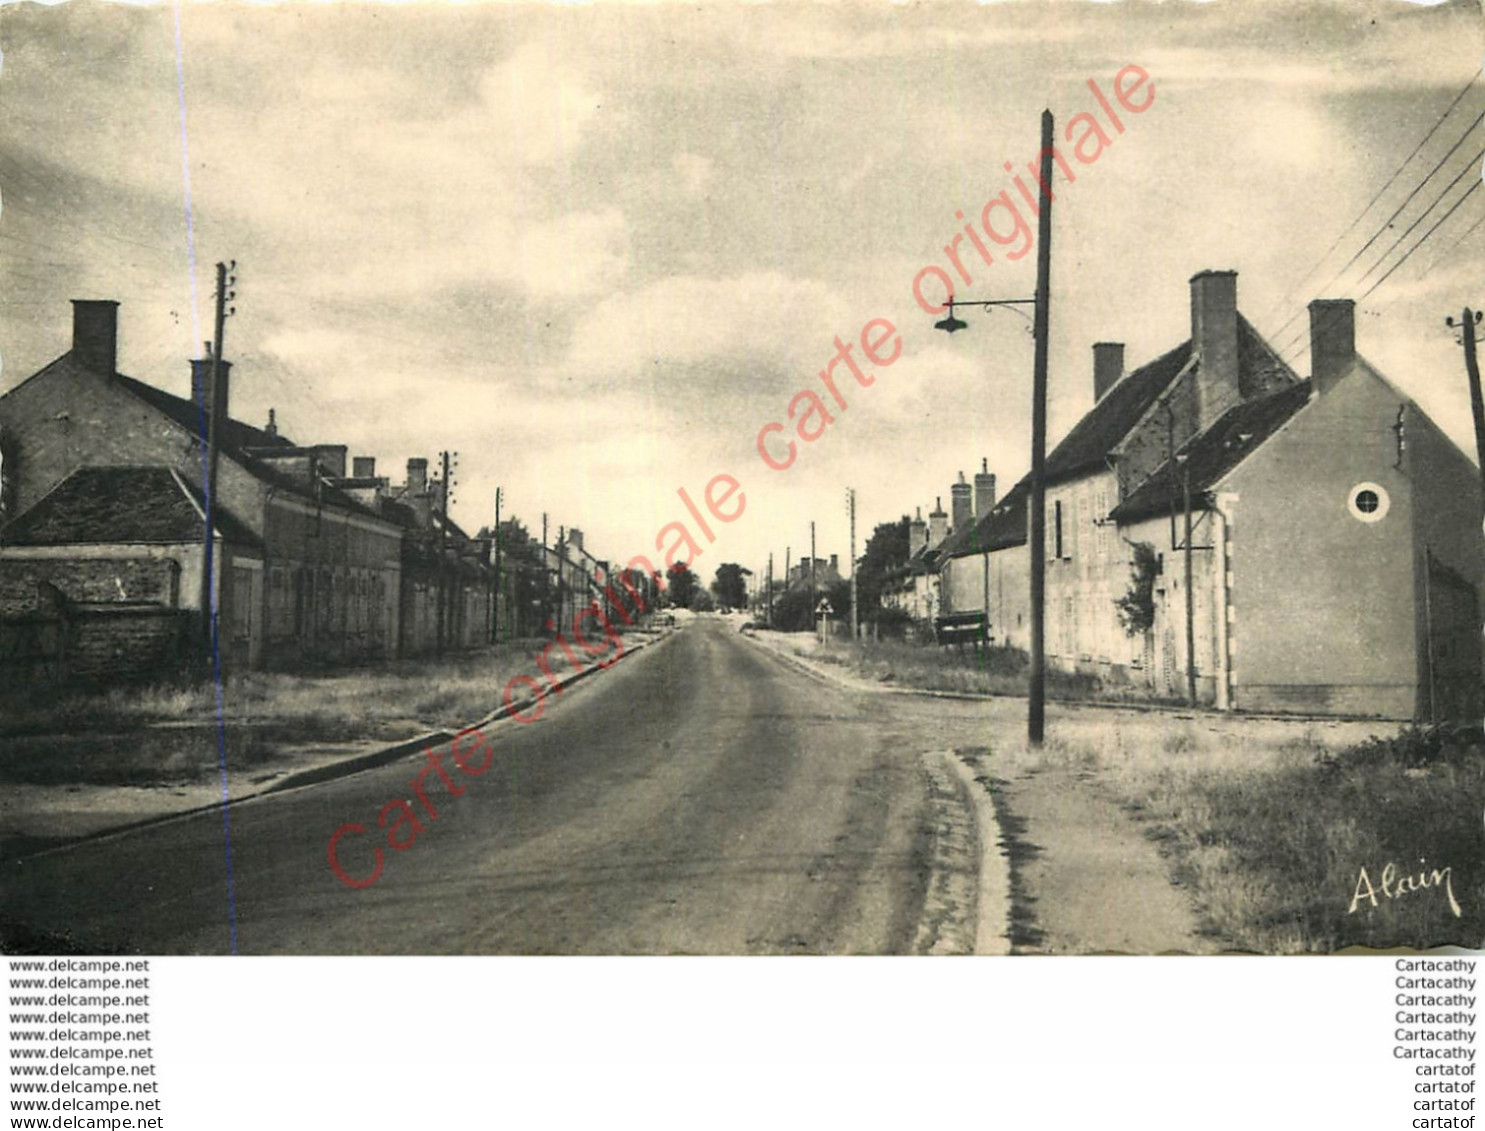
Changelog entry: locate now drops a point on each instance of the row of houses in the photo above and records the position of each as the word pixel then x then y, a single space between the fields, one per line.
pixel 1217 524
pixel 102 533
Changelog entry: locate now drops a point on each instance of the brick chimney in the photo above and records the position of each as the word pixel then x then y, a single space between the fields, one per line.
pixel 917 534
pixel 201 379
pixel 1108 367
pixel 363 467
pixel 95 334
pixel 984 490
pixel 417 476
pixel 271 428
pixel 938 524
pixel 331 458
pixel 1214 336
pixel 575 540
pixel 960 504
pixel 1332 341
pixel 835 565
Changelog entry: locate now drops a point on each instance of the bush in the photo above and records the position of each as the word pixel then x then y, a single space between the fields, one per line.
pixel 893 623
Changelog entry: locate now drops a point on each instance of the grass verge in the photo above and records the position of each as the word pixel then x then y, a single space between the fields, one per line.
pixel 993 671
pixel 169 733
pixel 1272 832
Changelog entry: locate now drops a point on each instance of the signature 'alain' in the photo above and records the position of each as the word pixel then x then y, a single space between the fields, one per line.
pixel 1394 886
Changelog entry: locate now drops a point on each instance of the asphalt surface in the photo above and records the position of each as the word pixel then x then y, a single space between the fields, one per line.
pixel 699 797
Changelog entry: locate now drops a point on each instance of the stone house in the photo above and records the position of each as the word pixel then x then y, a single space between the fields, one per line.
pixel 310 561
pixel 1335 551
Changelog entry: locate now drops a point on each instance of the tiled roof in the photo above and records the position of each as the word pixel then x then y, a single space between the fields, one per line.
pixel 1236 433
pixel 236 439
pixel 1087 446
pixel 235 434
pixel 1003 527
pixel 104 505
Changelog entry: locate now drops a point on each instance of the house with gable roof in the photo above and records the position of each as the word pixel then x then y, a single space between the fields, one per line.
pixel 101 483
pixel 1335 553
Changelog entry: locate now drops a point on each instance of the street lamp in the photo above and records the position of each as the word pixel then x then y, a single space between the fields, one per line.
pixel 1037 536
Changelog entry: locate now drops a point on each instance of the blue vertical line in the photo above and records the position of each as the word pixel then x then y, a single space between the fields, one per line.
pixel 216 652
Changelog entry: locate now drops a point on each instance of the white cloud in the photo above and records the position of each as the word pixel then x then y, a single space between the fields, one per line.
pixel 540 102
pixel 573 255
pixel 761 318
pixel 693 171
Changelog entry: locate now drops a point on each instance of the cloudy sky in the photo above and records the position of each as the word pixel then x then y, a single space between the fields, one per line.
pixel 594 249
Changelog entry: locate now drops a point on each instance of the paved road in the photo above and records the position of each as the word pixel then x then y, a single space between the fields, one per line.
pixel 701 796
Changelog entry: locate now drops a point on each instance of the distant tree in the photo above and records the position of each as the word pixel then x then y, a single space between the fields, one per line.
pixel 886 550
pixel 681 586
pixel 701 601
pixel 730 586
pixel 795 610
pixel 522 576
pixel 636 589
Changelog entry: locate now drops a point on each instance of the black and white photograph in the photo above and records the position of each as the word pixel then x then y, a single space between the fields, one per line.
pixel 741 479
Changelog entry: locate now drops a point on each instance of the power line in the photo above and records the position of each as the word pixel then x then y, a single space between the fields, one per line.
pixel 1380 193
pixel 1406 256
pixel 1396 212
pixel 1443 255
pixel 1422 215
pixel 1425 236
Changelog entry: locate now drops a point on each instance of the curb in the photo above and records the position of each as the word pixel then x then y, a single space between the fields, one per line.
pixel 329 772
pixel 993 895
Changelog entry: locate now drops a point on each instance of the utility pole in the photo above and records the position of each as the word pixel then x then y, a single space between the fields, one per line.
pixel 546 568
pixel 812 565
pixel 1467 323
pixel 495 606
pixel 215 418
pixel 770 589
pixel 561 576
pixel 1190 595
pixel 787 567
pixel 445 602
pixel 855 619
pixel 1037 706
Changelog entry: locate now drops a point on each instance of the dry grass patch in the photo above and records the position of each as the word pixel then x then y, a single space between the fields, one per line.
pixel 1270 823
pixel 170 733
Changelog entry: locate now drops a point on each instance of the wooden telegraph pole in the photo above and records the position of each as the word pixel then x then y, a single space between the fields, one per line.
pixel 215 419
pixel 1468 320
pixel 495 606
pixel 1037 706
pixel 855 618
pixel 769 622
pixel 812 565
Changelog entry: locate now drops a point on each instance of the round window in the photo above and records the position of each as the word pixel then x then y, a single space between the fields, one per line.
pixel 1368 502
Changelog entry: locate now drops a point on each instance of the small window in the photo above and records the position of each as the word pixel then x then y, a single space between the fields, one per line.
pixel 1057 529
pixel 1368 502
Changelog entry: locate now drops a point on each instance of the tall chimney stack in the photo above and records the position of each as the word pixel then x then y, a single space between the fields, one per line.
pixel 1214 336
pixel 201 380
pixel 917 534
pixel 417 476
pixel 984 490
pixel 960 504
pixel 95 334
pixel 363 467
pixel 1332 341
pixel 938 524
pixel 1108 367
